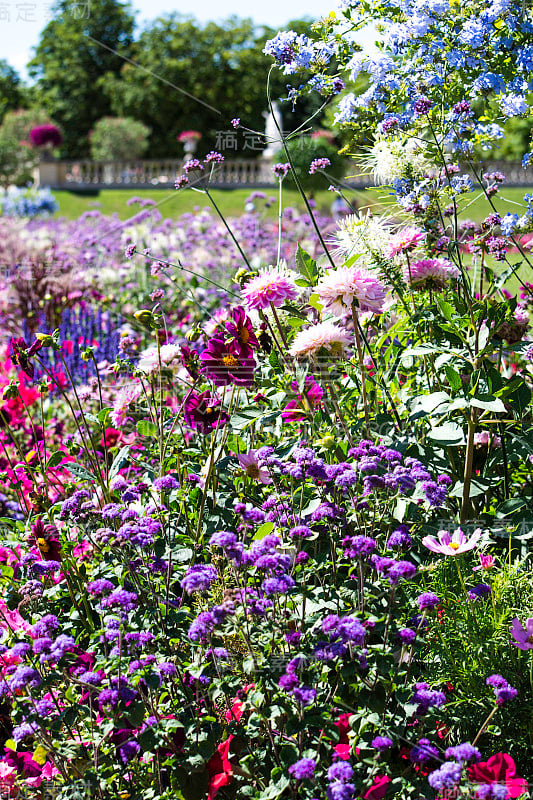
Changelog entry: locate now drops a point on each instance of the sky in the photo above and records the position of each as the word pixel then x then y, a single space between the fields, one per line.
pixel 22 20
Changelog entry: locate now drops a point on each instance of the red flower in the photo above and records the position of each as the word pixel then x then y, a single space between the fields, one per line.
pixel 203 412
pixel 500 768
pixel 219 768
pixel 225 365
pixel 378 790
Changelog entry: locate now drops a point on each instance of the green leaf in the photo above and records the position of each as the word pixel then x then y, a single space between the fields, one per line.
pixel 121 459
pixel 55 459
pixel 306 266
pixel 79 471
pixel 146 428
pixel 264 530
pixel 445 308
pixel 450 434
pixel 489 404
pixel 454 379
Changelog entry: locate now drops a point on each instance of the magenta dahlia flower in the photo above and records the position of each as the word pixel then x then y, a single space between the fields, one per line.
pixel 274 285
pixel 340 288
pixel 203 412
pixel 224 365
pixel 241 333
pixel 298 408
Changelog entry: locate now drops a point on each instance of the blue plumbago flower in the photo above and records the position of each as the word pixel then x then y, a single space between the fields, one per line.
pixel 513 105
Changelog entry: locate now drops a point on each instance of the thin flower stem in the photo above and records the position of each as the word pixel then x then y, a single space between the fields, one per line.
pixel 362 368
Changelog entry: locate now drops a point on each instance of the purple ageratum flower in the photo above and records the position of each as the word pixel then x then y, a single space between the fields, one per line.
pixel 128 751
pixel 303 770
pixel 304 695
pixel 272 286
pixel 446 777
pixel 126 601
pixel 340 771
pixel 358 546
pixel 46 624
pixel 427 698
pixel 463 752
pixel 318 164
pixel 523 636
pixel 203 412
pixel 23 731
pixel 281 170
pixel 427 600
pixel 400 538
pixel 23 677
pixel 381 743
pixel 406 635
pixel 199 578
pixel 423 752
pixel 491 791
pixel 167 483
pixel 224 365
pixel 503 691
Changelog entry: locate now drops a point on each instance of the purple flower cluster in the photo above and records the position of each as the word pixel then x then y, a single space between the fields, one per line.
pixel 503 691
pixel 427 698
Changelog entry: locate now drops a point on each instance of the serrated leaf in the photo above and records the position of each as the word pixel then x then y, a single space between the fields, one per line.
pixel 306 265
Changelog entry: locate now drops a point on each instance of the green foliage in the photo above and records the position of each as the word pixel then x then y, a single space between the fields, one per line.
pixel 76 51
pixel 118 138
pixel 11 89
pixel 303 151
pixel 10 163
pixel 199 77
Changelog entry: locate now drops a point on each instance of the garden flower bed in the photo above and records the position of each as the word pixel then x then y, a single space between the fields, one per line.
pixel 266 500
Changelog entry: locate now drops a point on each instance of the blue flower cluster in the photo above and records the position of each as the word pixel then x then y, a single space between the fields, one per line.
pixel 27 202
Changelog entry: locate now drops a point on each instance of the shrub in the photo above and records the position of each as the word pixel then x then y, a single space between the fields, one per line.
pixel 118 139
pixel 303 152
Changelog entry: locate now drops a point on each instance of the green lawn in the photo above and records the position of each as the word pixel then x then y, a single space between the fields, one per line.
pixel 231 201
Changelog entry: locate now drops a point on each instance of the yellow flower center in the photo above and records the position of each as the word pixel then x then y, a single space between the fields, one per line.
pixel 230 361
pixel 252 471
pixel 244 335
pixel 454 545
pixel 43 545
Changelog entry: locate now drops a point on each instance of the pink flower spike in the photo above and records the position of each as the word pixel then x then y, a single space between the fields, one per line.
pixel 523 636
pixel 251 466
pixel 451 545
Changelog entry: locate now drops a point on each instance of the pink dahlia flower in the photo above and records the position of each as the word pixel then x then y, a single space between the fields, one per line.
pixel 523 636
pixel 275 285
pixel 300 407
pixel 404 241
pixel 451 544
pixel 342 287
pixel 325 335
pixel 430 273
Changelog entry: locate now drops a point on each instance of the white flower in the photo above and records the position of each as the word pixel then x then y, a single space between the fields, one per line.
pixel 323 335
pixel 149 361
pixel 362 234
pixel 394 158
pixel 125 397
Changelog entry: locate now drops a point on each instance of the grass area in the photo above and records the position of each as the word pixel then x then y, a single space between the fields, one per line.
pixel 231 201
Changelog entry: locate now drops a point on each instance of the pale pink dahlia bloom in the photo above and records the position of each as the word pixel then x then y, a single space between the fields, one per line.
pixel 430 272
pixel 523 636
pixel 452 544
pixel 341 287
pixel 274 285
pixel 125 397
pixel 404 241
pixel 325 335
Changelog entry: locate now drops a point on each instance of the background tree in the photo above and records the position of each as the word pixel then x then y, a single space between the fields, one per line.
pixel 118 138
pixel 78 48
pixel 200 77
pixel 12 91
